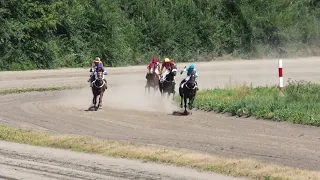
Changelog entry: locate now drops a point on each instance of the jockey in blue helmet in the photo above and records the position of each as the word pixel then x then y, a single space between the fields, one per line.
pixel 191 69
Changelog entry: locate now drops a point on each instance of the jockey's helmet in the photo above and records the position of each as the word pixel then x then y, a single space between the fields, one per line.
pixel 154 60
pixel 166 60
pixel 191 66
pixel 97 61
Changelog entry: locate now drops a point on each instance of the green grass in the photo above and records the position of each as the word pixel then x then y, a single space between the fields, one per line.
pixel 40 89
pixel 236 167
pixel 300 102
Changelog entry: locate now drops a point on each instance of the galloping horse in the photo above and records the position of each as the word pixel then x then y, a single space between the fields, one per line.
pixel 168 84
pixel 152 78
pixel 188 91
pixel 98 88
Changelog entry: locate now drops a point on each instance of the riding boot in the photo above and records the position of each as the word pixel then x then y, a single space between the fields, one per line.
pixel 197 88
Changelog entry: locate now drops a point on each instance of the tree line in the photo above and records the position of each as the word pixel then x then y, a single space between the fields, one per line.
pixel 43 34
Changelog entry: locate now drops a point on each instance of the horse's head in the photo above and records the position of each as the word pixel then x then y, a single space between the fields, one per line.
pixel 191 82
pixel 152 68
pixel 173 70
pixel 99 74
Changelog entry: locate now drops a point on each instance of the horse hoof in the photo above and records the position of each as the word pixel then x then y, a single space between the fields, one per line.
pixel 181 106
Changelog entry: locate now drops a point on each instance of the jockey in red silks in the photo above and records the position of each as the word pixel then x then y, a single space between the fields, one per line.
pixel 155 64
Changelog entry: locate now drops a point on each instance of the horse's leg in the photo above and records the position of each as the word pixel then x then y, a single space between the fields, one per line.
pixel 94 101
pixel 94 97
pixel 162 92
pixel 173 92
pixel 192 99
pixel 191 103
pixel 181 96
pixel 100 98
pixel 160 87
pixel 146 87
pixel 155 80
pixel 185 103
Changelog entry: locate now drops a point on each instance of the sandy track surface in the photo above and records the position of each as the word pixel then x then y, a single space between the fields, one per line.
pixel 129 115
pixel 19 161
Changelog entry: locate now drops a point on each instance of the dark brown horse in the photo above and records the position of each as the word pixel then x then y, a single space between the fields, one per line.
pixel 152 78
pixel 168 84
pixel 99 85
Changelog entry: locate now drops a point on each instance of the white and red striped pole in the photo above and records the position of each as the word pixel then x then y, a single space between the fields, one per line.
pixel 280 76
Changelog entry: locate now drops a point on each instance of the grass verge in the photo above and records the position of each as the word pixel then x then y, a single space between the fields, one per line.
pixel 40 89
pixel 300 102
pixel 235 167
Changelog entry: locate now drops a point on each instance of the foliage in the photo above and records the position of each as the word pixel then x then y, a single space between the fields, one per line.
pixel 299 103
pixel 56 33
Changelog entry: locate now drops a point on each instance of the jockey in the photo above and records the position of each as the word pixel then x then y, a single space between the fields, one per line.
pixel 166 63
pixel 96 62
pixel 189 70
pixel 94 66
pixel 156 64
pixel 98 67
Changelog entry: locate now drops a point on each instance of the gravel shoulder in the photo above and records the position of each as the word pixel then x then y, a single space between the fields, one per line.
pixel 19 161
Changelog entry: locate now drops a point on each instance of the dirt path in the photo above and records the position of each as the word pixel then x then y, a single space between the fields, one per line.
pixel 28 162
pixel 129 115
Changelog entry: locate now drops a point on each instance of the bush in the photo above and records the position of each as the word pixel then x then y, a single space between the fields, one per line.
pixel 50 34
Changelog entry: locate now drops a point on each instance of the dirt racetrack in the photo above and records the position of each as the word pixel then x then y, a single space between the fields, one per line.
pixel 130 116
pixel 19 161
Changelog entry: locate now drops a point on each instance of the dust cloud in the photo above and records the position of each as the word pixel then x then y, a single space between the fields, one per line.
pixel 134 97
pixel 124 97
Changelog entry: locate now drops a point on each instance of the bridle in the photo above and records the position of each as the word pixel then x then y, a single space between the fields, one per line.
pixel 100 78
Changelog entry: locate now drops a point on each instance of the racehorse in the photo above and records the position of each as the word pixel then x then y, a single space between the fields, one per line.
pixel 168 84
pixel 152 78
pixel 99 85
pixel 188 91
